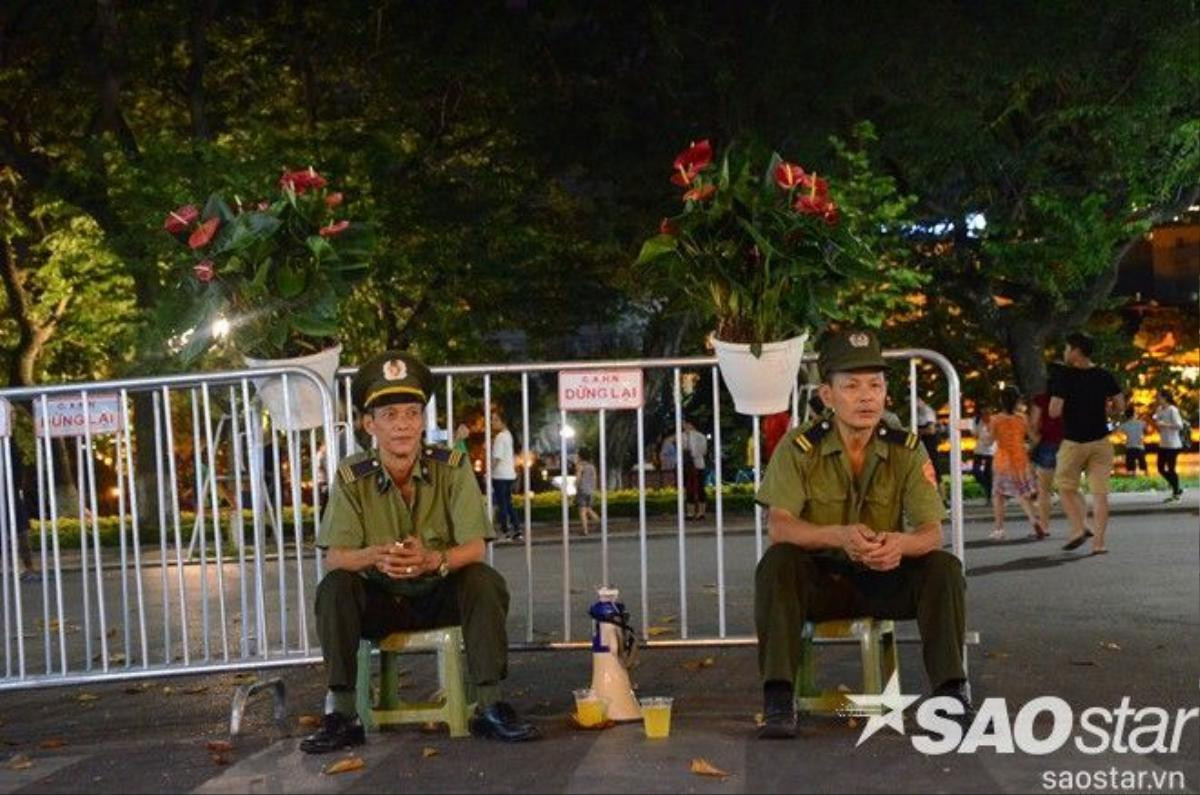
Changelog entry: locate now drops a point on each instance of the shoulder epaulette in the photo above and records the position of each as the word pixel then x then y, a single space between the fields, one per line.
pixel 444 455
pixel 898 436
pixel 357 466
pixel 809 438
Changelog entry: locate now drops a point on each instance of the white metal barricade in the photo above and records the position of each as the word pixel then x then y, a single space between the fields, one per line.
pixel 179 592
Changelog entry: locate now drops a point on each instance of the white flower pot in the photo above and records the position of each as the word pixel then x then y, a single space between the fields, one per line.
pixel 304 399
pixel 761 384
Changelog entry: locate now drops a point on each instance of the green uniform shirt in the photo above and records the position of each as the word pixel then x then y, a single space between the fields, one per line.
pixel 365 508
pixel 809 477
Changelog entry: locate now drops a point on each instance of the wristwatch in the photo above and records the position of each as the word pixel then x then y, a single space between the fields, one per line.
pixel 443 569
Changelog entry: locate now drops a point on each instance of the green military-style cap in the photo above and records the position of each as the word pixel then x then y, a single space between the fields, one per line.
pixel 391 377
pixel 850 350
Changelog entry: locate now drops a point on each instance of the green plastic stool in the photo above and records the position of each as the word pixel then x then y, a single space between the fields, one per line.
pixel 452 709
pixel 877 642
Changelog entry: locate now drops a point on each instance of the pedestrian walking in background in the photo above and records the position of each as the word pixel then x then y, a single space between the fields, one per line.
pixel 1084 395
pixel 1134 429
pixel 1169 422
pixel 985 449
pixel 1012 471
pixel 585 487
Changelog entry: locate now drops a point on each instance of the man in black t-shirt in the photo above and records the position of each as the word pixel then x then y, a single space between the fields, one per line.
pixel 1084 395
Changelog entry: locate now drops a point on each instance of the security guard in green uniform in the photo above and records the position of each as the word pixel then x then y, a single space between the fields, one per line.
pixel 838 493
pixel 405 531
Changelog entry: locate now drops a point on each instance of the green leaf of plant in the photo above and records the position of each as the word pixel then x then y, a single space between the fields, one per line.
pixel 656 247
pixel 289 283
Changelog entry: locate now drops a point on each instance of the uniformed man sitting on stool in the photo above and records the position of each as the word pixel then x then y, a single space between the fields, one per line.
pixel 405 530
pixel 837 494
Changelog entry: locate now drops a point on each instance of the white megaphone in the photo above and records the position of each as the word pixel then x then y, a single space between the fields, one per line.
pixel 613 643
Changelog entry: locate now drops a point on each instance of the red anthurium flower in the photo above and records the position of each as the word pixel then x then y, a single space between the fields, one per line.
pixel 830 215
pixel 205 270
pixel 668 227
pixel 179 220
pixel 204 233
pixel 691 162
pixel 788 175
pixel 700 194
pixel 333 199
pixel 814 185
pixel 301 181
pixel 810 205
pixel 333 229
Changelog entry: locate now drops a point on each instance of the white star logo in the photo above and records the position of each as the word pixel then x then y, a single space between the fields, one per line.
pixel 894 704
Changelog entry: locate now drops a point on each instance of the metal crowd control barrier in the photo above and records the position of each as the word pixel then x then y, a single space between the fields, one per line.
pixel 158 602
pixel 533 562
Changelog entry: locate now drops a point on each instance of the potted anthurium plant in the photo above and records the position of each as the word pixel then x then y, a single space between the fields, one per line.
pixel 272 275
pixel 761 250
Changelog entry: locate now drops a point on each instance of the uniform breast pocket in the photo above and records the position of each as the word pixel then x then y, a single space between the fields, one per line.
pixel 881 508
pixel 828 506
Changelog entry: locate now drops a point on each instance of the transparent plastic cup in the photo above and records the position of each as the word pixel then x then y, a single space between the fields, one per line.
pixel 590 709
pixel 656 716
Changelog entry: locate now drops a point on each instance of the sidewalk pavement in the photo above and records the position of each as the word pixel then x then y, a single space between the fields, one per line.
pixel 1091 630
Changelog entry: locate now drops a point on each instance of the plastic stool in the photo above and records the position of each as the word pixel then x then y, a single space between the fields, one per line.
pixel 877 641
pixel 452 709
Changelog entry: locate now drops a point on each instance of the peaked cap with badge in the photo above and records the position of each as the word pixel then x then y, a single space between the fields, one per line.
pixel 391 377
pixel 848 351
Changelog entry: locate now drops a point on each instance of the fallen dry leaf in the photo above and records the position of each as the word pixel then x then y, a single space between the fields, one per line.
pixel 428 751
pixel 996 655
pixel 702 767
pixel 430 727
pixel 219 746
pixel 52 743
pixel 191 691
pixel 140 687
pixel 168 690
pixel 19 762
pixel 1110 644
pixel 244 678
pixel 668 619
pixel 84 698
pixel 654 632
pixel 852 723
pixel 759 720
pixel 309 721
pixel 696 665
pixel 345 765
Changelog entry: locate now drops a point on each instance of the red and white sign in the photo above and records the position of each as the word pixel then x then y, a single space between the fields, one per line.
pixel 5 422
pixel 67 415
pixel 592 390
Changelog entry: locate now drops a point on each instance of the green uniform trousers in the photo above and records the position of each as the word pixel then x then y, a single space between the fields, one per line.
pixel 793 585
pixel 350 607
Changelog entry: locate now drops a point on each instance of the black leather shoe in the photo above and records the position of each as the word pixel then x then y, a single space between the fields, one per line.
pixel 337 731
pixel 957 689
pixel 501 722
pixel 779 716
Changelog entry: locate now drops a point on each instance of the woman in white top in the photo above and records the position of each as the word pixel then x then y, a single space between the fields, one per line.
pixel 985 449
pixel 1170 441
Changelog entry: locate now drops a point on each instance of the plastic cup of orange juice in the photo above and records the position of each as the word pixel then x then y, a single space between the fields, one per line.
pixel 656 716
pixel 590 709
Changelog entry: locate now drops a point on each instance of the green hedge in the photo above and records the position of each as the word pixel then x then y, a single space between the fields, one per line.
pixel 547 507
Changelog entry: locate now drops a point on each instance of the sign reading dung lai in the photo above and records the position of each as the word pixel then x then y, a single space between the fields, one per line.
pixel 66 416
pixel 592 390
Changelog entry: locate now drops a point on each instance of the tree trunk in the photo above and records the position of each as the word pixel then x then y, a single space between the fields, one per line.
pixel 202 11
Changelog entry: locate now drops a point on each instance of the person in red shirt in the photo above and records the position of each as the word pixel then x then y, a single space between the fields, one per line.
pixel 1045 434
